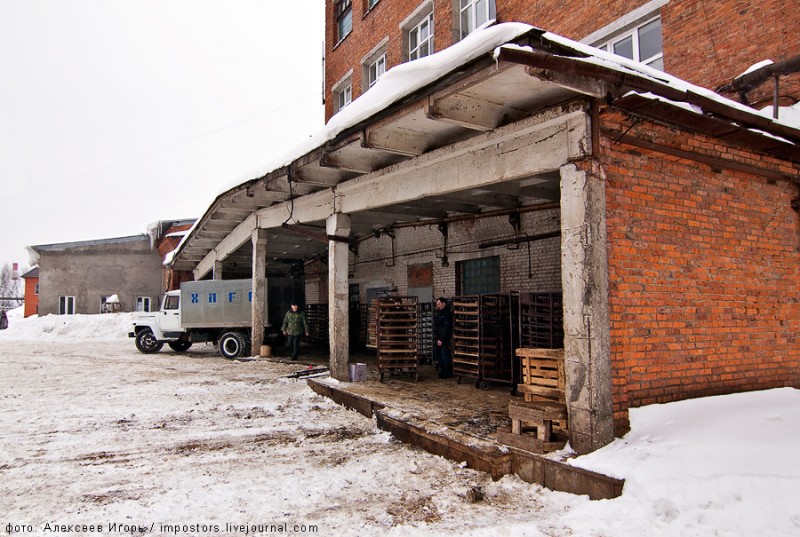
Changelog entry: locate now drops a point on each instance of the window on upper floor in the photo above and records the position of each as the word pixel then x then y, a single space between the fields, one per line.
pixel 371 3
pixel 376 69
pixel 641 43
pixel 420 39
pixel 343 13
pixel 374 64
pixel 342 91
pixel 344 97
pixel 36 289
pixel 473 14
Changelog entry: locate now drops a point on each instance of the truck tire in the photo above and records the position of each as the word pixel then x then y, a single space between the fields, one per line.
pixel 179 345
pixel 233 345
pixel 147 343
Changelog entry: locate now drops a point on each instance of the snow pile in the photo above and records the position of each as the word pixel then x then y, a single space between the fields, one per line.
pixel 726 462
pixel 104 327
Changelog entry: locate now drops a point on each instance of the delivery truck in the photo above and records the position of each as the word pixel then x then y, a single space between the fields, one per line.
pixel 219 311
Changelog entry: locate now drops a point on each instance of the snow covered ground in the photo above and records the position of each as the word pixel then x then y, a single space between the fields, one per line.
pixel 94 433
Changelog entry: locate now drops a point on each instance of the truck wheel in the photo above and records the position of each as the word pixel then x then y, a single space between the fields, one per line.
pixel 179 345
pixel 147 343
pixel 233 345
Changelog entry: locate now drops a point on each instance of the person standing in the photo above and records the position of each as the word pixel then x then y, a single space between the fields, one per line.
pixel 295 326
pixel 3 320
pixel 442 335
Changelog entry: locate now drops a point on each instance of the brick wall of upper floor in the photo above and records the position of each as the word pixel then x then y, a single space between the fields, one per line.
pixel 706 43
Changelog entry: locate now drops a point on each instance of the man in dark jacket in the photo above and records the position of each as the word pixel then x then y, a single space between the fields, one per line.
pixel 295 326
pixel 442 335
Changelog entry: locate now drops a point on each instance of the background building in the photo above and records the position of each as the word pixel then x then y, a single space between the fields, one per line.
pixel 80 277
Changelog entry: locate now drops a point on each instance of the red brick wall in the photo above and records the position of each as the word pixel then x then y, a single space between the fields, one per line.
pixel 704 272
pixel 706 43
pixel 171 279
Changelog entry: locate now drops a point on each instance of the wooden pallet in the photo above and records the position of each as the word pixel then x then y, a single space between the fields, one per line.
pixel 539 423
pixel 542 374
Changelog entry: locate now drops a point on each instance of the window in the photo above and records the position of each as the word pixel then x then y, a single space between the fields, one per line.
pixel 342 91
pixel 66 305
pixel 420 39
pixel 642 44
pixel 474 14
pixel 375 70
pixel 36 289
pixel 344 97
pixel 143 303
pixel 373 64
pixel 478 276
pixel 371 3
pixel 172 302
pixel 343 10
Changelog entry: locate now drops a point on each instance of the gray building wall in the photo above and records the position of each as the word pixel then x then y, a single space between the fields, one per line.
pixel 127 267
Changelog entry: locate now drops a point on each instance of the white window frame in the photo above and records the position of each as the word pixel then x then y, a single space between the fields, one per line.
pixel 66 305
pixel 145 302
pixel 340 91
pixel 474 13
pixel 371 4
pixel 376 58
pixel 413 54
pixel 376 70
pixel 623 26
pixel 344 97
pixel 633 35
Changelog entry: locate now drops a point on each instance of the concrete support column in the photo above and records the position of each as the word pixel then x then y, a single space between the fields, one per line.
pixel 338 225
pixel 216 273
pixel 584 277
pixel 259 238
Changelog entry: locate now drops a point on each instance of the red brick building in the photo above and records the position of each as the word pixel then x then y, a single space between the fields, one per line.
pixel 705 43
pixel 686 238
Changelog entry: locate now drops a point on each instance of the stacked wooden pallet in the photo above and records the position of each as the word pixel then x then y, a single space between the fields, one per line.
pixel 539 423
pixel 396 334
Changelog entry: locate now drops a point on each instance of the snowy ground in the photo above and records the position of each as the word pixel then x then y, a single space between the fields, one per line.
pixel 92 432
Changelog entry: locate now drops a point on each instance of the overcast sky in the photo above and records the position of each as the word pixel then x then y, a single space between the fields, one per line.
pixel 114 115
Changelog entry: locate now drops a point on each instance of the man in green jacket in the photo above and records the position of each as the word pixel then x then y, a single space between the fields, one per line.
pixel 295 326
